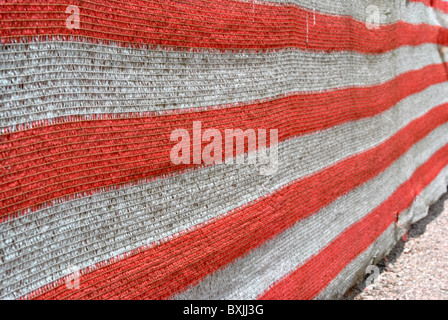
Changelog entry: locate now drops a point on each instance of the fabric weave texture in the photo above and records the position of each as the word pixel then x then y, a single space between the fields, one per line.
pixel 92 91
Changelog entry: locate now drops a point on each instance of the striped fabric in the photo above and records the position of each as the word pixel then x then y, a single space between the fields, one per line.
pixel 88 186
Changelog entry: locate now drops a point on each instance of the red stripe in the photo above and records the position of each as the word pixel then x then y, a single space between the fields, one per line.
pixel 164 269
pixel 437 4
pixel 54 161
pixel 311 278
pixel 221 24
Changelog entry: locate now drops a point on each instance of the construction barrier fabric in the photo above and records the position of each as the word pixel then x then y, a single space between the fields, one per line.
pixel 346 101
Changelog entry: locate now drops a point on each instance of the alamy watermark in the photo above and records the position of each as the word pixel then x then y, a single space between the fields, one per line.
pixel 373 273
pixel 72 278
pixel 73 21
pixel 188 149
pixel 375 14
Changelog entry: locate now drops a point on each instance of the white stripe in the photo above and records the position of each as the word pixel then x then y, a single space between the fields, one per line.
pixel 46 80
pixel 251 275
pixel 96 228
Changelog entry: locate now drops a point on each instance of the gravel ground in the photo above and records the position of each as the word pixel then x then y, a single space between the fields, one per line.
pixel 416 269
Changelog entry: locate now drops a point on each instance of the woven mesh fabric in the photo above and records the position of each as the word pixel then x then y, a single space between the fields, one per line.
pixel 351 98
